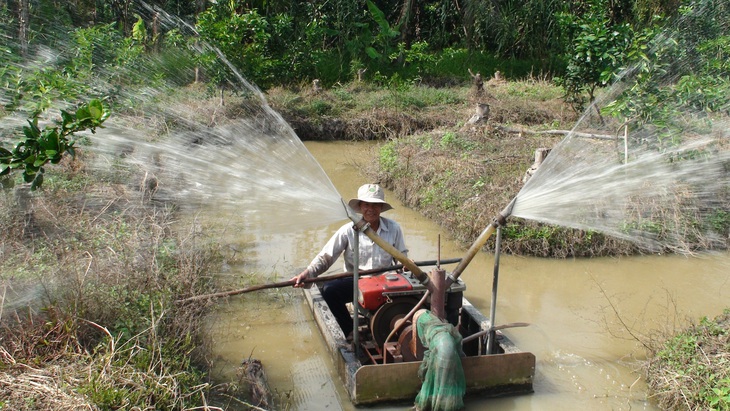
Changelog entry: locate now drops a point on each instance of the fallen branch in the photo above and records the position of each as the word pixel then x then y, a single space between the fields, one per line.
pixel 558 132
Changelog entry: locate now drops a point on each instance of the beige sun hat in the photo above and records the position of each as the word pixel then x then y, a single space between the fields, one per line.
pixel 370 193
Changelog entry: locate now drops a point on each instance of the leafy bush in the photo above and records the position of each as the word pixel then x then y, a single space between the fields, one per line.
pixel 598 48
pixel 689 370
pixel 50 144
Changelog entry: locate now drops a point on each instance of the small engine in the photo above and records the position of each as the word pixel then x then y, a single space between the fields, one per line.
pixel 384 299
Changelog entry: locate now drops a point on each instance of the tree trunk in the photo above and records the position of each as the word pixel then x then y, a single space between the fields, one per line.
pixel 23 24
pixel 540 156
pixel 156 32
pixel 121 13
pixel 404 22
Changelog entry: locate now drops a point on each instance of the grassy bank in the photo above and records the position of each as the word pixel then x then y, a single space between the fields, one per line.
pixel 91 269
pixel 458 174
pixel 92 265
pixel 691 370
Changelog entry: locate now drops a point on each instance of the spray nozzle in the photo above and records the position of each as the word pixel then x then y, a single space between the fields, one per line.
pixel 501 219
pixel 361 225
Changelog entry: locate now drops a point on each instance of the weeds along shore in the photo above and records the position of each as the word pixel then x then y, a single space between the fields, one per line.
pixel 456 173
pixel 91 269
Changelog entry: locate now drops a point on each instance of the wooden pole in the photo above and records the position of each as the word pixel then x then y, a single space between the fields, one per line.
pixel 290 283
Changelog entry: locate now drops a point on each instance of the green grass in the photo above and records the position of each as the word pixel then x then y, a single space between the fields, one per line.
pixel 691 369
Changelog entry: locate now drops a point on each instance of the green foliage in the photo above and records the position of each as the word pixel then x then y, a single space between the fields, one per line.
pixel 679 77
pixel 380 48
pixel 243 38
pixel 104 53
pixel 719 222
pixel 442 191
pixel 519 29
pixel 416 60
pixel 538 232
pixel 451 140
pixel 160 369
pixel 597 50
pixel 695 355
pixel 38 147
pixel 388 158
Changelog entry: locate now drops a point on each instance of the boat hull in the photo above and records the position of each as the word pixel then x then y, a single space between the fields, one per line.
pixel 509 372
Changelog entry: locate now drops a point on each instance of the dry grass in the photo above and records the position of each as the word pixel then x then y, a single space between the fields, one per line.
pixel 47 388
pixel 91 268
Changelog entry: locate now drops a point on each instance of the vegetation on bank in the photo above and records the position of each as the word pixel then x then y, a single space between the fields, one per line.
pixel 691 370
pixel 93 264
pixel 91 269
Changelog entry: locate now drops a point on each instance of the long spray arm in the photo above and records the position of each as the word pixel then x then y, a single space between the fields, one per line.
pixel 498 221
pixel 362 226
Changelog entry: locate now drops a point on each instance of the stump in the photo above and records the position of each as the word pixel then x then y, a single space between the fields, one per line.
pixel 481 114
pixel 252 373
pixel 478 82
pixel 540 155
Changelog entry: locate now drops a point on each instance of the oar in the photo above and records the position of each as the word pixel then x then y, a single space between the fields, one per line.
pixel 289 283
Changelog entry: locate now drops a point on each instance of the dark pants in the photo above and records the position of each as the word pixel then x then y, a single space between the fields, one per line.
pixel 337 293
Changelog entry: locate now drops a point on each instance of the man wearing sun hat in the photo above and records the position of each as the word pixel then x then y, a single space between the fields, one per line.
pixel 370 202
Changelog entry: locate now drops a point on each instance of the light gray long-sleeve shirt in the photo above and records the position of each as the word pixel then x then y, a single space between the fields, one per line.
pixel 371 255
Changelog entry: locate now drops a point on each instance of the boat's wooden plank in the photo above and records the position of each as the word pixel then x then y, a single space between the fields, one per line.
pixel 499 374
pixel 344 358
pixel 326 322
pixel 388 382
pixel 495 373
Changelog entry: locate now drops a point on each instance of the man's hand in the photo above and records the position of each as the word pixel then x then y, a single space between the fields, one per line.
pixel 299 279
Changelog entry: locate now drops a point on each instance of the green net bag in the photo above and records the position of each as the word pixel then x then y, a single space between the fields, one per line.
pixel 443 379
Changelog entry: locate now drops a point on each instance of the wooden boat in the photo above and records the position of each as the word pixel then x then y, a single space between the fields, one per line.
pixel 368 380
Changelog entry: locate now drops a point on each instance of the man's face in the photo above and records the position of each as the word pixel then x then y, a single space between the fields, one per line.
pixel 370 211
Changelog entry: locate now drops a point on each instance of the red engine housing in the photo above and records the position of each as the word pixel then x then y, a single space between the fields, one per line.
pixel 377 290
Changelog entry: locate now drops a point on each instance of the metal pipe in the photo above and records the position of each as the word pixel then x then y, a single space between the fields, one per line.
pixel 356 313
pixel 362 226
pixel 490 329
pixel 495 281
pixel 497 221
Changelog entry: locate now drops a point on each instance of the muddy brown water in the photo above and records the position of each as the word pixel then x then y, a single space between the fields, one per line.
pixel 583 313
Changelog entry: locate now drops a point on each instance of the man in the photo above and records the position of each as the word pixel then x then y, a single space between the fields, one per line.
pixel 370 202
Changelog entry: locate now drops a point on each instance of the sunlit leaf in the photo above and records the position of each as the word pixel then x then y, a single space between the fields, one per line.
pixel 96 110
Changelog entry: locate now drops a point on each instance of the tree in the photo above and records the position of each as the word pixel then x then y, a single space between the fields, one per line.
pixel 596 52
